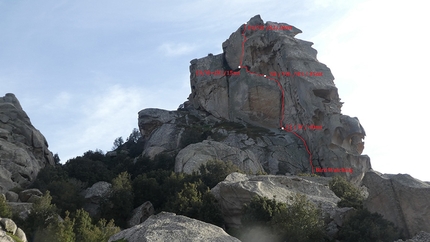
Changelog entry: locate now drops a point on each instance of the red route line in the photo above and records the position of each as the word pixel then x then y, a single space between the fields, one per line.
pixel 282 97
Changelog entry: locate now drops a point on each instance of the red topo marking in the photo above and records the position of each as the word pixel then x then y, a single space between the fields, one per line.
pixel 282 98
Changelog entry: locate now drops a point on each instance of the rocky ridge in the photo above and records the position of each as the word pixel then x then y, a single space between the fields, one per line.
pixel 23 149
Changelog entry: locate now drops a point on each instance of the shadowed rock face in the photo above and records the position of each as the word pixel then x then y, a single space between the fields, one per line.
pixel 401 199
pixel 291 96
pixel 23 149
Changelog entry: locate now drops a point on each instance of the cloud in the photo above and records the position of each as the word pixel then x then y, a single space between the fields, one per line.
pixel 170 49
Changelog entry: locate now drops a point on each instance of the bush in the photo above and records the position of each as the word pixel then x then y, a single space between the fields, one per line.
pixel 301 221
pixel 367 226
pixel 5 211
pixel 277 221
pixel 196 201
pixel 215 171
pixel 120 203
pixel 349 194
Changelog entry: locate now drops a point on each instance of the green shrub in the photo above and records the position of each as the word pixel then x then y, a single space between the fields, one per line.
pixel 349 194
pixel 120 203
pixel 367 226
pixel 196 201
pixel 5 211
pixel 300 222
pixel 215 171
pixel 275 221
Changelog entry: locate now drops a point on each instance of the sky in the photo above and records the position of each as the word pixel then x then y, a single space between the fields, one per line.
pixel 82 70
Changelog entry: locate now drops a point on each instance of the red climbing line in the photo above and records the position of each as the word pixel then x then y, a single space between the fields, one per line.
pixel 281 120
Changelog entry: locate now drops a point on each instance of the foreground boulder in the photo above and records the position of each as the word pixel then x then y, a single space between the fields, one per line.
pixel 8 226
pixel 171 227
pixel 401 199
pixel 24 150
pixel 238 189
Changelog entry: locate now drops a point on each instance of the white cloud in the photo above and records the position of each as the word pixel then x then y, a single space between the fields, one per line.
pixel 170 49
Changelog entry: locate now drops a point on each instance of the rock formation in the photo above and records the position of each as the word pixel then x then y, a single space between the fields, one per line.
pixel 238 189
pixel 23 149
pixel 171 227
pixel 140 214
pixel 266 95
pixel 94 195
pixel 8 226
pixel 401 199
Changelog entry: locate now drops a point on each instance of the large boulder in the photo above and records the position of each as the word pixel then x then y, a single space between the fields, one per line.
pixel 238 189
pixel 171 227
pixel 193 156
pixel 140 214
pixel 23 149
pixel 94 195
pixel 30 195
pixel 22 210
pixel 401 199
pixel 8 226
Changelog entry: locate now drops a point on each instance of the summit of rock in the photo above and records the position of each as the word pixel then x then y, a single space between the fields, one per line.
pixel 23 149
pixel 269 96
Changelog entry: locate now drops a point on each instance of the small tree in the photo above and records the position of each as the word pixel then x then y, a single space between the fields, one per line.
pixel 5 211
pixel 117 143
pixel 367 226
pixel 215 171
pixel 349 194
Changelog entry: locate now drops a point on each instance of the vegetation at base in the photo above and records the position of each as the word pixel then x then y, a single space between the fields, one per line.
pixel 301 221
pixel 350 196
pixel 366 226
pixel 135 180
pixel 44 224
pixel 362 225
pixel 215 171
pixel 5 211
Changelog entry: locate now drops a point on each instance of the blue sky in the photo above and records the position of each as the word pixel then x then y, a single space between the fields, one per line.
pixel 83 69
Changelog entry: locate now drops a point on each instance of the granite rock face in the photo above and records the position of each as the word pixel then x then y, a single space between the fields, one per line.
pixel 23 149
pixel 401 199
pixel 191 157
pixel 171 227
pixel 269 96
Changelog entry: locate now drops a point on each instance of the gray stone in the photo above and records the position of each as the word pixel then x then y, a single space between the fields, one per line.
pixel 4 237
pixel 21 209
pixel 191 157
pixel 94 196
pixel 25 195
pixel 23 149
pixel 400 199
pixel 21 235
pixel 8 225
pixel 171 227
pixel 140 214
pixel 11 196
pixel 238 189
pixel 419 237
